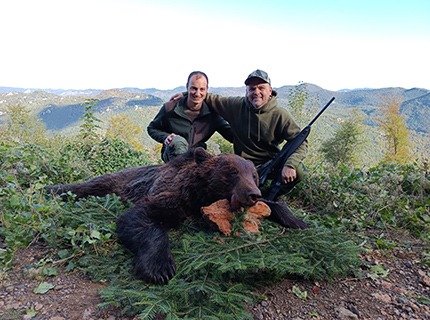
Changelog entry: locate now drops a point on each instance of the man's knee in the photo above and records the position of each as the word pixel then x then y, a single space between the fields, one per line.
pixel 176 147
pixel 179 145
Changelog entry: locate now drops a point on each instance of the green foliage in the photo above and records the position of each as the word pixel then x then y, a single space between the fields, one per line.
pixel 32 164
pixel 299 99
pixel 103 155
pixel 22 128
pixel 303 108
pixel 180 299
pixel 43 288
pixel 108 155
pixel 346 144
pixel 122 127
pixel 312 254
pixel 388 195
pixel 377 271
pixel 216 274
pixel 396 133
pixel 89 126
pixel 299 293
pixel 217 144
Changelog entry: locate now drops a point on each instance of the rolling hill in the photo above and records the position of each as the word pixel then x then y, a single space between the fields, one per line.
pixel 60 109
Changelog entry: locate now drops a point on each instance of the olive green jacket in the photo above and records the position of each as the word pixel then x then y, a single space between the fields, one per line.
pixel 258 133
pixel 172 119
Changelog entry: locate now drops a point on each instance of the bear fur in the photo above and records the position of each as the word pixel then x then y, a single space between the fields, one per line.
pixel 165 195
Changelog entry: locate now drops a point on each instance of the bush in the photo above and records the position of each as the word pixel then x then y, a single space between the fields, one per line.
pixel 389 195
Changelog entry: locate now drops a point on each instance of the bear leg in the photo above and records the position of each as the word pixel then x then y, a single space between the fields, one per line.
pixel 95 187
pixel 149 241
pixel 110 183
pixel 280 213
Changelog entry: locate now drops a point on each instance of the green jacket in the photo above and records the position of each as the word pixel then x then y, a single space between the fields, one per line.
pixel 258 133
pixel 172 119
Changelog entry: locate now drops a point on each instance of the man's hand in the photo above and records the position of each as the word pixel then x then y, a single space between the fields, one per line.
pixel 169 138
pixel 289 174
pixel 176 97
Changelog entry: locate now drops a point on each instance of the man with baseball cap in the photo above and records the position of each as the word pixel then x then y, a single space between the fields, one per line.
pixel 260 74
pixel 260 126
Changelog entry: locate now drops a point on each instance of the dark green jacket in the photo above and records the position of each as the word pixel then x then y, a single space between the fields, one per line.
pixel 172 119
pixel 258 133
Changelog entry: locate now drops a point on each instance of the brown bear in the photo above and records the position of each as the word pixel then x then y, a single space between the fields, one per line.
pixel 165 195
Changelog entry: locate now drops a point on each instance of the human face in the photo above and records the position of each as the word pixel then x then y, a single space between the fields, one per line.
pixel 197 89
pixel 258 92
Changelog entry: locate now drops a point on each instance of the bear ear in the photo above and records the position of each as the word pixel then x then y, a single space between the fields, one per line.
pixel 201 155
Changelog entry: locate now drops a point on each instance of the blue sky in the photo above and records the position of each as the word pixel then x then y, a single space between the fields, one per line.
pixel 106 44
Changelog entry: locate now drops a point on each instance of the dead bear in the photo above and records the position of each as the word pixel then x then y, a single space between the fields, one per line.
pixel 165 195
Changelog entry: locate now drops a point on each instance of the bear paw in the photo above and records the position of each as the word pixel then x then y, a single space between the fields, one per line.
pixel 155 270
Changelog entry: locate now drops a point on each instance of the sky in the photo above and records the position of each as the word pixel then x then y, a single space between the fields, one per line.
pixel 105 44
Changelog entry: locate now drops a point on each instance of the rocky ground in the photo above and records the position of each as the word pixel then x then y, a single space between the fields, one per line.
pixel 398 288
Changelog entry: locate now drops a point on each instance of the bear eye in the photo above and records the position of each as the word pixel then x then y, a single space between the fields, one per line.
pixel 234 170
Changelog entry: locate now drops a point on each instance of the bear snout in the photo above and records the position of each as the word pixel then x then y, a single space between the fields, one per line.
pixel 253 196
pixel 244 199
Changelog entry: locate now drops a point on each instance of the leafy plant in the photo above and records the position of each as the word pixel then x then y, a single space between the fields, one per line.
pixel 377 271
pixel 43 287
pixel 89 126
pixel 389 195
pixel 299 293
pixel 396 133
pixel 217 274
pixel 123 128
pixel 346 143
pixel 21 127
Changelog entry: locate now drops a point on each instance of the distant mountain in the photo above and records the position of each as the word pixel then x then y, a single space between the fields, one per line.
pixel 417 112
pixel 360 97
pixel 348 90
pixel 61 108
pixel 167 94
pixel 60 92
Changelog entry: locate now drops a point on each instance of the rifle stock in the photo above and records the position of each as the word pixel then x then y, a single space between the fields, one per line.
pixel 277 163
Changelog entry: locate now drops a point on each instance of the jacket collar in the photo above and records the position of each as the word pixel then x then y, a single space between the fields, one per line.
pixel 181 106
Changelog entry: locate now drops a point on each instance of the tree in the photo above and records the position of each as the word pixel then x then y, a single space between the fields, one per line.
pixel 297 99
pixel 89 126
pixel 347 142
pixel 123 128
pixel 22 127
pixel 303 107
pixel 393 125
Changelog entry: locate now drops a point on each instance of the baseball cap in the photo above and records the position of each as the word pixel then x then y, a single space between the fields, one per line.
pixel 258 74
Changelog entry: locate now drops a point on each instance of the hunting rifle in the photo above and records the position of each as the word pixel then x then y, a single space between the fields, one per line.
pixel 277 163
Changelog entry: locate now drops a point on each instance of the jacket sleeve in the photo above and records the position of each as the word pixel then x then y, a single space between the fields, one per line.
pixel 224 128
pixel 298 156
pixel 157 128
pixel 224 106
pixel 291 130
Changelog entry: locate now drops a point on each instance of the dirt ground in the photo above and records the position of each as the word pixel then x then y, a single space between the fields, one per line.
pixel 401 290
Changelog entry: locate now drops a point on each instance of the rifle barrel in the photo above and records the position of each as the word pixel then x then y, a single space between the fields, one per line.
pixel 289 148
pixel 321 111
